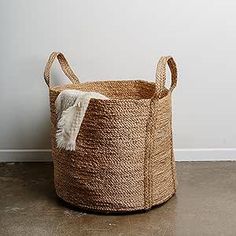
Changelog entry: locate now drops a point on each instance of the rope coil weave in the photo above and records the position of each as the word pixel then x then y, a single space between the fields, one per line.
pixel 123 159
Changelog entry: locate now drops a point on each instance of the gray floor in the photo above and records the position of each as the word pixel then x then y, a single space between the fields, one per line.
pixel 205 204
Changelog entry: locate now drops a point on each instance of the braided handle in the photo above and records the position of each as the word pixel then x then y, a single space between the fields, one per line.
pixel 161 75
pixel 64 66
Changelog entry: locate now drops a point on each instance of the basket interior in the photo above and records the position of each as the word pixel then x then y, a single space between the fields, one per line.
pixel 124 89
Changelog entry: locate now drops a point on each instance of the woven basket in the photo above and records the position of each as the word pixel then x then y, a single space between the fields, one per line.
pixel 124 155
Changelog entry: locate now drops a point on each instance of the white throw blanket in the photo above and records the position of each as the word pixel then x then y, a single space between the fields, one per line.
pixel 71 106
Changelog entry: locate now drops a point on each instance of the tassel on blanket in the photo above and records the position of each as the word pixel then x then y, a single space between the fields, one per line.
pixel 71 106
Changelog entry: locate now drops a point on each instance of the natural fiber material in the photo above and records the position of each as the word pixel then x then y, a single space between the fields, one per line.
pixel 123 160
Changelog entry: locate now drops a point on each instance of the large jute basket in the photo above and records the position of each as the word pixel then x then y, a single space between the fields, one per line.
pixel 124 152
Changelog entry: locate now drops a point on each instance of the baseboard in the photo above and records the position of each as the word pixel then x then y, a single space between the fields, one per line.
pixel 206 154
pixel 25 155
pixel 44 155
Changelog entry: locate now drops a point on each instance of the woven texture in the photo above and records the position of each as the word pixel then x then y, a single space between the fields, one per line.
pixel 124 154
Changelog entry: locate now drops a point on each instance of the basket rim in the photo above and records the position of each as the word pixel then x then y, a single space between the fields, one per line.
pixel 59 88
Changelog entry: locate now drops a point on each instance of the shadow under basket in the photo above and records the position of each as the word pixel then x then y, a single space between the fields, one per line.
pixel 123 159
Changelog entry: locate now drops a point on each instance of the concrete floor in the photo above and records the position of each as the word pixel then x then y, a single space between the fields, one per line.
pixel 205 204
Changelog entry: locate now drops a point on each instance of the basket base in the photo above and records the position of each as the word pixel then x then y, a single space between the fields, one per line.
pixel 95 210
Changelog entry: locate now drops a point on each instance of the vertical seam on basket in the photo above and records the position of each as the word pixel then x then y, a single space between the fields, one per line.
pixel 173 171
pixel 172 164
pixel 154 109
pixel 172 153
pixel 147 159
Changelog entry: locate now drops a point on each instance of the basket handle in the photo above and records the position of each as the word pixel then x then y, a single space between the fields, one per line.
pixel 161 75
pixel 64 66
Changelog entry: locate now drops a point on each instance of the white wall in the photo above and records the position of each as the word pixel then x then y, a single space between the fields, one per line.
pixel 120 40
